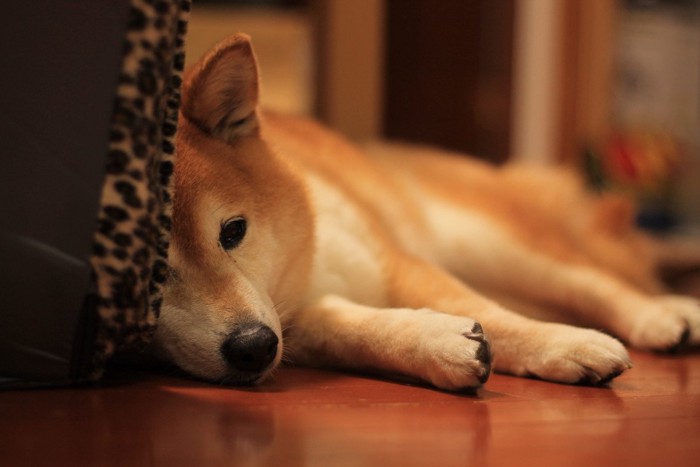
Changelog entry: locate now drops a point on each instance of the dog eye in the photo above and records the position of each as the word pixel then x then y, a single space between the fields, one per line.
pixel 232 233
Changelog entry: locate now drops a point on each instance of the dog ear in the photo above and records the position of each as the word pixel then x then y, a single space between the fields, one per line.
pixel 220 92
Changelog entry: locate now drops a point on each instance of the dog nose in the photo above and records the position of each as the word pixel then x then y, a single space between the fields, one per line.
pixel 250 347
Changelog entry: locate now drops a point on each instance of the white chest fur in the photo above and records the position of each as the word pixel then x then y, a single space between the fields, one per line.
pixel 346 260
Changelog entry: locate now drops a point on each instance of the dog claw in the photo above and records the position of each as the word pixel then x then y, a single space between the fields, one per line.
pixel 682 344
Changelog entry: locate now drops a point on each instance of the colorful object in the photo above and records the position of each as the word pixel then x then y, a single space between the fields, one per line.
pixel 643 164
pixel 641 161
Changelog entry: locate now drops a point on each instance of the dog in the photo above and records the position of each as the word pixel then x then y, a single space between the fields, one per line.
pixel 289 242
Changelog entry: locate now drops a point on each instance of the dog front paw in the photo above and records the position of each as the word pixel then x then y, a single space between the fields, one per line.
pixel 459 358
pixel 566 354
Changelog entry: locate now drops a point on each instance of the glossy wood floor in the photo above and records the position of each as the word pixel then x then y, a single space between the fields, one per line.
pixel 649 416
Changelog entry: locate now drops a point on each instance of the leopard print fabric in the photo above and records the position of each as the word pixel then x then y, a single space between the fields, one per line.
pixel 131 242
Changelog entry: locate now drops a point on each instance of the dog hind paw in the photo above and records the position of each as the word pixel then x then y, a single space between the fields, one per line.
pixel 672 325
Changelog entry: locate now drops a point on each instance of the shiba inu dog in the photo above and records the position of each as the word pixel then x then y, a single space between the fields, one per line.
pixel 289 241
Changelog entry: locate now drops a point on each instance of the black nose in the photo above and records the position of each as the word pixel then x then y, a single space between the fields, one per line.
pixel 250 347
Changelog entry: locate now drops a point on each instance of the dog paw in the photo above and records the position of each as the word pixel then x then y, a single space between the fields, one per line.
pixel 460 357
pixel 566 354
pixel 670 324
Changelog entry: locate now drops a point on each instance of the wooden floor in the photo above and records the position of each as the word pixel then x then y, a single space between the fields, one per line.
pixel 649 416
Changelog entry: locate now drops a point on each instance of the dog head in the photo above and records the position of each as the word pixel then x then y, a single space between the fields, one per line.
pixel 242 231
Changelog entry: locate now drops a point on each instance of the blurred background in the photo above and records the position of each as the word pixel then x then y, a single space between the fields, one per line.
pixel 611 87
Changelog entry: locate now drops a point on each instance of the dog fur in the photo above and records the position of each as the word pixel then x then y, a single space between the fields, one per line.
pixel 392 259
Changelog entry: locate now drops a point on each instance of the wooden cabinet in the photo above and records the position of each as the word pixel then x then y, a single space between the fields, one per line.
pixel 449 71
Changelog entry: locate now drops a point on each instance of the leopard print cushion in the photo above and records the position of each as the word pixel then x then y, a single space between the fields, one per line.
pixel 131 240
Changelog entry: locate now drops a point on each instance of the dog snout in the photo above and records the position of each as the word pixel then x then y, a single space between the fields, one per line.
pixel 250 347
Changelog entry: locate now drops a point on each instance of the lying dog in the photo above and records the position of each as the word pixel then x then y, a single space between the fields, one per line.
pixel 283 228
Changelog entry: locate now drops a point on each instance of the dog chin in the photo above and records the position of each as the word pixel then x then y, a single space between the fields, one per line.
pixel 241 379
pixel 221 374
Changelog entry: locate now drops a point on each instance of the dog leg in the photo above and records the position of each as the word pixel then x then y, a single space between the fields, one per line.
pixel 521 346
pixel 450 352
pixel 486 256
pixel 592 296
pixel 647 322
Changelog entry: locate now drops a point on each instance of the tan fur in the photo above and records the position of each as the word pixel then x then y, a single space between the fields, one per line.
pixel 378 258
